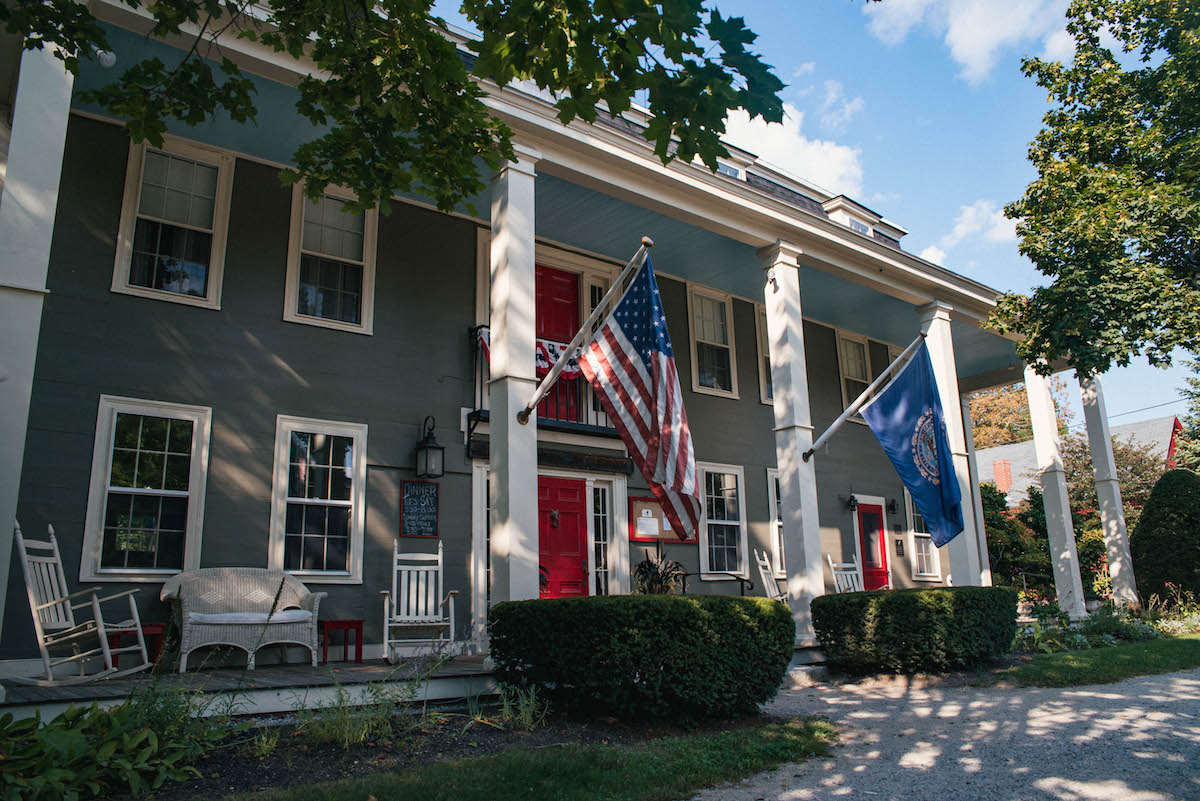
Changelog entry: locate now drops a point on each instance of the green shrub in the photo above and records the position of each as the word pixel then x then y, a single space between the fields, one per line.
pixel 1166 543
pixel 88 751
pixel 910 631
pixel 645 656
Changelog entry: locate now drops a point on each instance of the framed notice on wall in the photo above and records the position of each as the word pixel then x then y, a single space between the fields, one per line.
pixel 648 523
pixel 419 509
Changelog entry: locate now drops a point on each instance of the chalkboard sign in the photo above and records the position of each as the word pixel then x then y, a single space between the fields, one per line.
pixel 418 509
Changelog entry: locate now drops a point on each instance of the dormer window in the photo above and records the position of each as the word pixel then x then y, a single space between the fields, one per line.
pixel 727 169
pixel 860 227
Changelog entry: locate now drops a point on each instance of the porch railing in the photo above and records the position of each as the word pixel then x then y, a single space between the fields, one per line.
pixel 571 404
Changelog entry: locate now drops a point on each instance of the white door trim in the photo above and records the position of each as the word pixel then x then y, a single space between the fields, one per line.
pixel 618 545
pixel 871 500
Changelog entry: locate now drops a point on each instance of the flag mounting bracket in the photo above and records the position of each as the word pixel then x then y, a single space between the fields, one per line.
pixel 635 264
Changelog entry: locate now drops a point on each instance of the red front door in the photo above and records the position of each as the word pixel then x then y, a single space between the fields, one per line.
pixel 873 545
pixel 562 536
pixel 558 319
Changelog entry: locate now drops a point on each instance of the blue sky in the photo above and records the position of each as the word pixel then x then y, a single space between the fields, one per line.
pixel 918 109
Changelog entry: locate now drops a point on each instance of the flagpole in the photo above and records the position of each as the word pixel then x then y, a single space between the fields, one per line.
pixel 634 265
pixel 861 400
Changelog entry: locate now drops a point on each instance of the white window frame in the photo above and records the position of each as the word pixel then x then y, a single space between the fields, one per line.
pixel 909 512
pixel 727 299
pixel 291 291
pixel 779 560
pixel 131 199
pixel 702 471
pixel 764 353
pixel 842 378
pixel 93 530
pixel 284 426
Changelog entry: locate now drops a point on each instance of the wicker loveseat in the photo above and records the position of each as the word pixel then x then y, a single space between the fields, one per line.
pixel 230 606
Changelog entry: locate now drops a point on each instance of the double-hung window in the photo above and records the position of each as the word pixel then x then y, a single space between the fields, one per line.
pixel 723 542
pixel 855 366
pixel 926 565
pixel 318 499
pixel 331 263
pixel 765 385
pixel 713 368
pixel 174 217
pixel 775 504
pixel 146 501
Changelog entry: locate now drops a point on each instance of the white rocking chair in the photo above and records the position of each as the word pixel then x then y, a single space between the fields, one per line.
pixel 54 624
pixel 418 600
pixel 767 574
pixel 846 577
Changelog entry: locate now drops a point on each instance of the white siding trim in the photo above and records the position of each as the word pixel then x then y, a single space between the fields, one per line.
pixel 93 531
pixel 224 162
pixel 291 292
pixel 284 425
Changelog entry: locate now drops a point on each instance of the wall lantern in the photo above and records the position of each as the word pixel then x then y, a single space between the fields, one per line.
pixel 431 457
pixel 893 507
pixel 852 503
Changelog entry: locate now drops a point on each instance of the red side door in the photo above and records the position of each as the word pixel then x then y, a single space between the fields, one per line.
pixel 873 546
pixel 558 319
pixel 562 536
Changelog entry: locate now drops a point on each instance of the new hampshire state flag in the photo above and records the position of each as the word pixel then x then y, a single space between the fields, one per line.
pixel 906 418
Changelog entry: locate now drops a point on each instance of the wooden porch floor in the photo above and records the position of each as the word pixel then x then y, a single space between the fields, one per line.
pixel 297 680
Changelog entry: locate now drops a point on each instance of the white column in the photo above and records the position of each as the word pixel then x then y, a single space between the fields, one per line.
pixel 793 436
pixel 512 445
pixel 27 206
pixel 1108 492
pixel 985 565
pixel 963 549
pixel 1063 556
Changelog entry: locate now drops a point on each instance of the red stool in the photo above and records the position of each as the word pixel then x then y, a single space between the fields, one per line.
pixel 348 627
pixel 153 633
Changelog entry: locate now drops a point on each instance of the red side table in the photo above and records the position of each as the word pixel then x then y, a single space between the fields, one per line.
pixel 348 627
pixel 153 633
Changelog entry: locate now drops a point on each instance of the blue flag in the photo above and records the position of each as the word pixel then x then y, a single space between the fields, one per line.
pixel 907 420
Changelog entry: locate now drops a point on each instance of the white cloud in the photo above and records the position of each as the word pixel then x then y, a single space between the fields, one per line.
pixel 825 163
pixel 1059 46
pixel 983 219
pixel 807 68
pixel 977 32
pixel 836 108
pixel 934 254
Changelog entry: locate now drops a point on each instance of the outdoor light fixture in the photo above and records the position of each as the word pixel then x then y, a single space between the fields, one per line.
pixel 852 503
pixel 431 457
pixel 893 507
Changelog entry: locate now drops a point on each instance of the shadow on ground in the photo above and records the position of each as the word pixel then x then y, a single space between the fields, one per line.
pixel 1138 740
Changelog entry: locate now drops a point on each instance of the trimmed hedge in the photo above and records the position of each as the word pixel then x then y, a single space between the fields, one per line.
pixel 1165 546
pixel 646 656
pixel 912 631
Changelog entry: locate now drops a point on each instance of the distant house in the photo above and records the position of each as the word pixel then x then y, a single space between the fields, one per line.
pixel 1013 467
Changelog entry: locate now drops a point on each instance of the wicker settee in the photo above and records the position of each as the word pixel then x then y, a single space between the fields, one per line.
pixel 230 606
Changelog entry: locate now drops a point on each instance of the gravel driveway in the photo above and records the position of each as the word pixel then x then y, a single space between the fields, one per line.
pixel 1138 740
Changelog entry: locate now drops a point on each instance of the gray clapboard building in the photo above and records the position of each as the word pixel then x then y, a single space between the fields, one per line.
pixel 204 369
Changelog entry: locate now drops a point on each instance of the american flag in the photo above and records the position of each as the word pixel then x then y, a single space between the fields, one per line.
pixel 631 365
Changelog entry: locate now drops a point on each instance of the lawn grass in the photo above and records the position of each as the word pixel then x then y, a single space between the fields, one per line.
pixel 659 770
pixel 1105 665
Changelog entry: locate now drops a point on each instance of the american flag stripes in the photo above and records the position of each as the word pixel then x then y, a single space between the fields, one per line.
pixel 630 364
